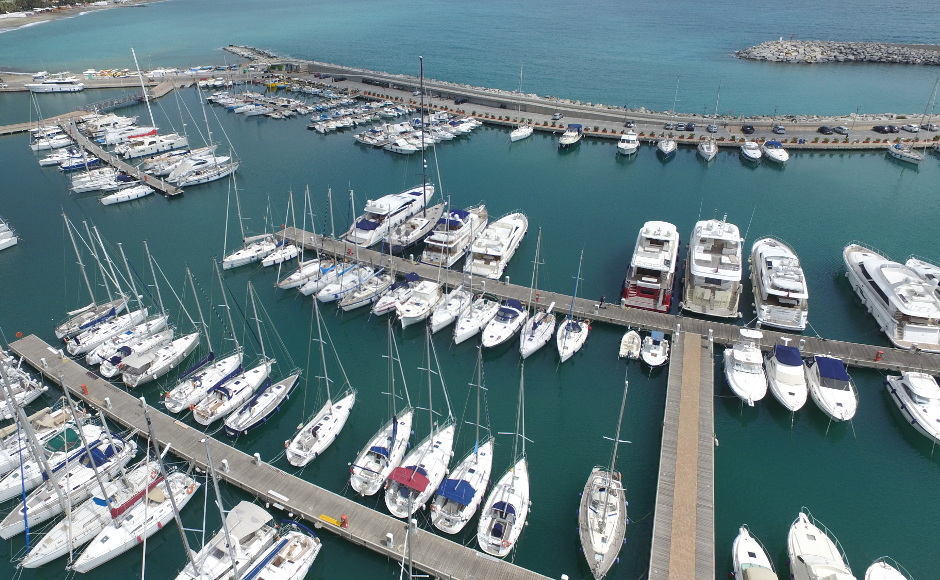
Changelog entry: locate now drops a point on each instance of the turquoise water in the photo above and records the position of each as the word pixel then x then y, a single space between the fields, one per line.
pixel 871 482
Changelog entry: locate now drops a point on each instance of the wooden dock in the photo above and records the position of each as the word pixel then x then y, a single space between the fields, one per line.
pixel 860 355
pixel 683 545
pixel 433 554
pixel 87 144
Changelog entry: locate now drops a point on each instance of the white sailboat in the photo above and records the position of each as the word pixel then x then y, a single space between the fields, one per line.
pixel 708 147
pixel 525 129
pixel 602 516
pixel 504 514
pixel 324 427
pixel 385 450
pixel 573 333
pixel 289 557
pixel 482 310
pixel 666 147
pixel 540 326
pixel 452 307
pixel 111 367
pixel 254 248
pixel 424 468
pixel 261 406
pixel 397 294
pixel 460 495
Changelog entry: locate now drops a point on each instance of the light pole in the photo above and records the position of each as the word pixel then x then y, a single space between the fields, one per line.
pixel 855 117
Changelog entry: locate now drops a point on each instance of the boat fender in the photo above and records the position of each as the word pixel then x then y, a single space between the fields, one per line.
pixel 349 252
pixel 159 525
pixel 433 507
pixel 192 407
pixel 153 474
pixel 506 543
pixel 139 540
pixel 286 443
pixel 191 488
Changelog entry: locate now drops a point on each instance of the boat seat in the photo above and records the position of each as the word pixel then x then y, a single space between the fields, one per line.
pixel 497 531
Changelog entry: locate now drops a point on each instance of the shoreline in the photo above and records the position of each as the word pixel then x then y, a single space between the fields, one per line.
pixel 9 24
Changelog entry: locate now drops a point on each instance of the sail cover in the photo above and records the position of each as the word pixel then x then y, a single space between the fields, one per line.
pixel 457 490
pixel 411 477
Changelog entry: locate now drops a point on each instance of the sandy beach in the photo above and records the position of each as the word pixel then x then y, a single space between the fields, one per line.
pixel 13 21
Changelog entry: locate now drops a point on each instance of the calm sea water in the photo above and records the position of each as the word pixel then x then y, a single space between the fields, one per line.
pixel 872 482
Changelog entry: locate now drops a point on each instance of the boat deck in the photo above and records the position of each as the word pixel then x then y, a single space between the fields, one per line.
pixel 68 125
pixel 683 545
pixel 432 554
pixel 861 355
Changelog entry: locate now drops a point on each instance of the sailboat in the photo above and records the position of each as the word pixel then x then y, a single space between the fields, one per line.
pixel 667 145
pixel 524 130
pixel 286 250
pixel 385 450
pixel 505 511
pixel 454 305
pixel 602 517
pixel 307 270
pixel 254 248
pixel 708 147
pixel 410 487
pixel 540 326
pixel 482 310
pixel 572 333
pixel 460 495
pixel 289 557
pixel 151 143
pixel 324 427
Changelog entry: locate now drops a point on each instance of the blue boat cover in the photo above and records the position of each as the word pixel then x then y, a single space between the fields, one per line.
pixel 832 368
pixel 788 355
pixel 220 388
pixel 379 451
pixel 198 366
pixel 102 318
pixel 272 553
pixel 101 457
pixel 505 508
pixel 457 490
pixel 657 336
pixel 412 277
pixel 513 303
pixel 774 143
pixel 367 225
pixel 574 126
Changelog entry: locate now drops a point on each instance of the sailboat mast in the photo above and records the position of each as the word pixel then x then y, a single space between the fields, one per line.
pixel 717 97
pixel 326 377
pixel 144 89
pixel 78 255
pixel 675 98
pixel 254 308
pixel 427 344
pixel 535 270
pixel 127 267
pixel 424 162
pixel 94 253
pixel 476 447
pixel 623 403
pixel 577 279
pixel 404 384
pixel 229 545
pixel 228 311
pixel 155 282
pixel 202 321
pixel 104 252
pixel 163 474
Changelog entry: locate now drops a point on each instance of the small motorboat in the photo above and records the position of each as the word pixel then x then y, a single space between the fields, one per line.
pixel 655 349
pixel 751 561
pixel 774 151
pixel 630 345
pixel 786 376
pixel 750 151
pixel 918 397
pixel 831 387
pixel 744 368
pixel 628 144
pixel 882 569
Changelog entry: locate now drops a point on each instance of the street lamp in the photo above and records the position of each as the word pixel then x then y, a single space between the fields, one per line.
pixel 855 117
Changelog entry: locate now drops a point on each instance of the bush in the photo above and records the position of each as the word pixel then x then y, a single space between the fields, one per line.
pixel 826 140
pixel 815 139
pixel 867 139
pixel 596 128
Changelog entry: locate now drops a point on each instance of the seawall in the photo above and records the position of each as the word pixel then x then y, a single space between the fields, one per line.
pixel 817 51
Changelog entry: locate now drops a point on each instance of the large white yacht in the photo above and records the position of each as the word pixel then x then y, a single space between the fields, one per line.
pixel 495 246
pixel 452 235
pixel 905 305
pixel 831 387
pixel 814 554
pixel 60 83
pixel 918 397
pixel 387 212
pixel 781 297
pixel 713 275
pixel 628 144
pixel 786 376
pixel 744 368
pixel 652 272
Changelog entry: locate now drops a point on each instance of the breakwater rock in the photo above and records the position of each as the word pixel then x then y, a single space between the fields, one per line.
pixel 814 51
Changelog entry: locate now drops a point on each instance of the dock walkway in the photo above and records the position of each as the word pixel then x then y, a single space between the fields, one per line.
pixel 683 546
pixel 861 355
pixel 431 553
pixel 160 185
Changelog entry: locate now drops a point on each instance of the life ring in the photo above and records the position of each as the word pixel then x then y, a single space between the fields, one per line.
pixel 191 488
pixel 154 473
pixel 286 444
pixel 506 543
pixel 349 252
pixel 192 407
pixel 433 507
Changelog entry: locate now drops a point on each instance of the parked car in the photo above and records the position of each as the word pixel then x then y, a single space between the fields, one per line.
pixel 930 127
pixel 748 129
pixel 712 128
pixel 779 129
pixel 881 129
pixel 460 101
pixel 629 124
pixel 841 130
pixel 557 116
pixel 668 126
pixel 911 128
pixel 680 126
pixel 826 130
pixel 894 129
pixel 690 126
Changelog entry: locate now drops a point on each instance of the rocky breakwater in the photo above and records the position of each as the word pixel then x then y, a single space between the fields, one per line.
pixel 815 51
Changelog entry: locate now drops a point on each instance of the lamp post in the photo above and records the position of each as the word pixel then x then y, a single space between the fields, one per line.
pixel 855 117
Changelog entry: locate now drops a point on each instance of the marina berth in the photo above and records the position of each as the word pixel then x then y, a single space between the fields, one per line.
pixel 142 368
pixel 750 559
pixel 285 251
pixel 650 280
pixel 571 137
pixel 225 398
pixel 786 376
pixel 368 292
pixel 781 297
pixel 713 275
pixel 491 251
pixel 831 387
pixel 396 294
pixel 91 338
pixel 452 236
pixel 918 398
pixel 345 283
pixel 537 331
pixel 387 213
pixel 744 368
pixel 320 431
pixel 905 305
pixel 254 249
pixel 196 383
pixel 814 552
pixel 306 271
pixel 111 366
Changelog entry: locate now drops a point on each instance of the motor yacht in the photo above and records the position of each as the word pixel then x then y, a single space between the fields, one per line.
pixel 412 231
pixel 650 279
pixel 630 344
pixel 814 553
pixel 60 83
pixel 424 298
pixel 751 561
pixel 368 292
pixel 713 274
pixel 655 349
pixel 786 376
pixel 774 151
pixel 571 136
pixel 831 387
pixel 628 144
pixel 509 319
pixel 452 236
pixel 491 251
pixel 781 298
pixel 882 569
pixel 386 213
pixel 744 368
pixel 905 305
pixel 918 397
pixel 751 152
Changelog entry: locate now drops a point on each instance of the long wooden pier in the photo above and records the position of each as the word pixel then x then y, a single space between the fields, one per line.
pixel 69 126
pixel 431 553
pixel 854 354
pixel 683 546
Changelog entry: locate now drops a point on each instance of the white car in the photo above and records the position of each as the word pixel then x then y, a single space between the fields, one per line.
pixel 911 128
pixel 930 127
pixel 841 130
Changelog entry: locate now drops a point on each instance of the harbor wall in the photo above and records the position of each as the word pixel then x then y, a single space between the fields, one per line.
pixel 818 51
